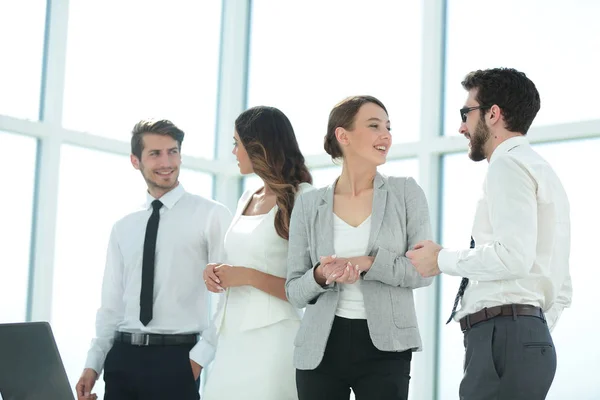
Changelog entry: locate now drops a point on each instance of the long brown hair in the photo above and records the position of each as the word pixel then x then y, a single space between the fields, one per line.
pixel 271 144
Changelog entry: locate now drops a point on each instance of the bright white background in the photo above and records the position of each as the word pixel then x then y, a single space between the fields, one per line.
pixel 80 76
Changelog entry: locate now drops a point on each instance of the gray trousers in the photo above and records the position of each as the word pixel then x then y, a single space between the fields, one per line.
pixel 508 358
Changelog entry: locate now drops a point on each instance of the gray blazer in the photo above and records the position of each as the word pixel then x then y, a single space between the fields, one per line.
pixel 399 219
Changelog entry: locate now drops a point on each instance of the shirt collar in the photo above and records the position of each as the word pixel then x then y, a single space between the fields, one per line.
pixel 169 199
pixel 508 145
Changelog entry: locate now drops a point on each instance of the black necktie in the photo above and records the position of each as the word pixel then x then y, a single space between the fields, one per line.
pixel 461 289
pixel 147 292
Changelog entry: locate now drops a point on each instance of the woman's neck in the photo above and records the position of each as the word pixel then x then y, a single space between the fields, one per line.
pixel 266 190
pixel 355 179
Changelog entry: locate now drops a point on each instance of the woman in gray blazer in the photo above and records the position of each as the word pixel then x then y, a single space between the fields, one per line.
pixel 347 266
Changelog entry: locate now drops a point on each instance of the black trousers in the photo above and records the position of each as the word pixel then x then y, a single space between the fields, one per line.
pixel 508 358
pixel 352 361
pixel 149 373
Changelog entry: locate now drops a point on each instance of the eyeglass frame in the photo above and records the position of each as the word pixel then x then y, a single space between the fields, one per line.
pixel 465 110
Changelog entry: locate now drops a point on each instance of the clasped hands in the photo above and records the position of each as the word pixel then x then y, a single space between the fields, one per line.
pixel 341 270
pixel 218 277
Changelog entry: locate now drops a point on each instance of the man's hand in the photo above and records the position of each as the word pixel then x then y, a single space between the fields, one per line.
pixel 196 369
pixel 86 383
pixel 424 257
pixel 211 280
pixel 231 276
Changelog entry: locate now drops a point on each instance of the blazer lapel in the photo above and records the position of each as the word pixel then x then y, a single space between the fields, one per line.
pixel 325 224
pixel 378 211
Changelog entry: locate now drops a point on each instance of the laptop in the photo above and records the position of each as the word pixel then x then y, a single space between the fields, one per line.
pixel 30 365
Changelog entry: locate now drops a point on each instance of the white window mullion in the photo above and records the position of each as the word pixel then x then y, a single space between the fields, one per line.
pixel 424 369
pixel 48 162
pixel 233 72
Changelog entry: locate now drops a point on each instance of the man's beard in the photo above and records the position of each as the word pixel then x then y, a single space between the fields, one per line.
pixel 158 185
pixel 478 140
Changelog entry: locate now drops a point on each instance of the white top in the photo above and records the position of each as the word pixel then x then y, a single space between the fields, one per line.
pixel 522 234
pixel 252 242
pixel 190 235
pixel 350 241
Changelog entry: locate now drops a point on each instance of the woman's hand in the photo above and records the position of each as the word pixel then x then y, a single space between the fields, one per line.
pixel 211 280
pixel 339 270
pixel 230 276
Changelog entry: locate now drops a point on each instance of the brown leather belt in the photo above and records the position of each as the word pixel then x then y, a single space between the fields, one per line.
pixel 152 339
pixel 507 310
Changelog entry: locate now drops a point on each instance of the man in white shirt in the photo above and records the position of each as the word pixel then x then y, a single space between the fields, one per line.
pixel 154 302
pixel 516 278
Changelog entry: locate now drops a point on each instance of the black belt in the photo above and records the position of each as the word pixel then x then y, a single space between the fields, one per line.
pixel 507 310
pixel 152 339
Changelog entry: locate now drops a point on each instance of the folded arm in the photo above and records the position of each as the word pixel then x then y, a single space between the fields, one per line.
pixel 396 269
pixel 301 285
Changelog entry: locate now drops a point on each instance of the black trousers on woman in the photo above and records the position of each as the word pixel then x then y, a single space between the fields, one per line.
pixel 351 361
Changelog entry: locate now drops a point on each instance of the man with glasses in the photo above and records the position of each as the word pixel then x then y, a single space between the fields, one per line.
pixel 516 278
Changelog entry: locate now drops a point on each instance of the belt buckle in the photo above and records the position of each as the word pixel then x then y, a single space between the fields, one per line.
pixel 140 339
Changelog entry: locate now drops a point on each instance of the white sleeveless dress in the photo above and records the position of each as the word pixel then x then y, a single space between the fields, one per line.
pixel 255 330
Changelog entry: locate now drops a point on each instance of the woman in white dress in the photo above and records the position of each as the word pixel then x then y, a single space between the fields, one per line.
pixel 255 325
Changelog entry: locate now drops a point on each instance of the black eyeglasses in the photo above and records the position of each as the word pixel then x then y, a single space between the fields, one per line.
pixel 465 110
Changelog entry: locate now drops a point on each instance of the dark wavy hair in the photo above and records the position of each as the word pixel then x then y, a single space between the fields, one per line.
pixel 269 140
pixel 509 89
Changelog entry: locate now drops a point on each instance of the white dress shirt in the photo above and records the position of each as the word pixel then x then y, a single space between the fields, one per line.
pixel 190 235
pixel 348 242
pixel 522 237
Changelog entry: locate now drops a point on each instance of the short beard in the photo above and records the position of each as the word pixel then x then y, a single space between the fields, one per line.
pixel 478 140
pixel 153 184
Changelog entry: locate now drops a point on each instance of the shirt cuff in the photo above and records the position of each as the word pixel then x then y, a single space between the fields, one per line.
pixel 202 353
pixel 95 362
pixel 447 262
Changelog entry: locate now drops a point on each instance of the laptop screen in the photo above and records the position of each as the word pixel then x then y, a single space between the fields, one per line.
pixel 30 365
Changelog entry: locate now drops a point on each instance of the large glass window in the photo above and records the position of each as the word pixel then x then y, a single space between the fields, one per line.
pixel 552 45
pixel 462 187
pixel 571 160
pixel 350 48
pixel 15 232
pixel 462 181
pixel 22 48
pixel 95 190
pixel 251 182
pixel 325 176
pixel 157 59
pixel 197 182
pixel 408 167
